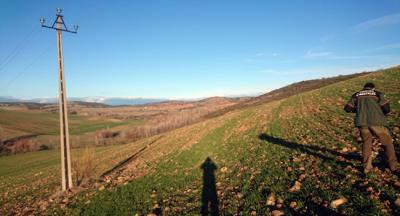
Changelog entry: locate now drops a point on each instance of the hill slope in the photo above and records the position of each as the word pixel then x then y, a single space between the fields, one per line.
pixel 299 150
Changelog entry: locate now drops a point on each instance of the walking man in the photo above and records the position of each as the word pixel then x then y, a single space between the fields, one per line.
pixel 371 108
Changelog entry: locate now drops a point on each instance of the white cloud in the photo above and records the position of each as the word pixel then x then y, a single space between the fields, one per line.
pixel 226 92
pixel 326 71
pixel 350 57
pixel 385 47
pixel 267 71
pixel 332 56
pixel 327 38
pixel 260 56
pixel 390 19
pixel 250 60
pixel 317 54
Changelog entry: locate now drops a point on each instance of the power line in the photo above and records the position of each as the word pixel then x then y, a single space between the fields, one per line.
pixel 20 46
pixel 23 71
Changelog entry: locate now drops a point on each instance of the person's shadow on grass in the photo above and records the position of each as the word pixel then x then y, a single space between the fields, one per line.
pixel 316 151
pixel 209 198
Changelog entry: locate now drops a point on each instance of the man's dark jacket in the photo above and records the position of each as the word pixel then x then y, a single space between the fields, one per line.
pixel 369 106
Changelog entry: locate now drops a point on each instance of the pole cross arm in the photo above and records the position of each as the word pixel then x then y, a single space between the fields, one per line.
pixel 61 29
pixel 59 24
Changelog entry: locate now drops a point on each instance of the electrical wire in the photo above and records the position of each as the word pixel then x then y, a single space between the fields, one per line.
pixel 23 71
pixel 20 46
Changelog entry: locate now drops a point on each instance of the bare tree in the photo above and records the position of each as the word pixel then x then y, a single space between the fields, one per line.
pixel 1 136
pixel 1 139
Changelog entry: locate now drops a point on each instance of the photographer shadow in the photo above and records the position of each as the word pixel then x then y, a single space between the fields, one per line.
pixel 209 198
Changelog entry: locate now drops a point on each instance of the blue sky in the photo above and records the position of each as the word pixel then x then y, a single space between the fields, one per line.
pixel 192 49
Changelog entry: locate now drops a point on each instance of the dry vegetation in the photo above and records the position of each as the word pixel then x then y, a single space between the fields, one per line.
pixel 177 119
pixel 33 127
pixel 83 165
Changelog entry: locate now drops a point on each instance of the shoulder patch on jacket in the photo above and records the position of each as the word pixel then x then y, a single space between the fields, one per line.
pixel 366 93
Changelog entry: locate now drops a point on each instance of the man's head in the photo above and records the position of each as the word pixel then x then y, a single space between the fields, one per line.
pixel 369 85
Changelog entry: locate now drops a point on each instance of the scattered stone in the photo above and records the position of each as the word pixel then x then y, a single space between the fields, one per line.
pixel 224 169
pixel 302 177
pixel 101 188
pixel 338 202
pixel 293 204
pixel 397 202
pixel 65 200
pixel 296 187
pixel 277 213
pixel 253 213
pixel 296 160
pixel 271 199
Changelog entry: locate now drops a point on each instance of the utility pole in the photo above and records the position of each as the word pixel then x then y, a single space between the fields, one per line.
pixel 60 26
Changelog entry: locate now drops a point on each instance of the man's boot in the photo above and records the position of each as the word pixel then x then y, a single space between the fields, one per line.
pixel 368 165
pixel 393 166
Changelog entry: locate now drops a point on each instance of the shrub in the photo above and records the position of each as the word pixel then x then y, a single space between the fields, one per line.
pixel 83 165
pixel 103 136
pixel 24 145
pixel 43 147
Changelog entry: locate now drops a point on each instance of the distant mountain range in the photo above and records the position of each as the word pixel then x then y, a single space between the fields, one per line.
pixel 114 101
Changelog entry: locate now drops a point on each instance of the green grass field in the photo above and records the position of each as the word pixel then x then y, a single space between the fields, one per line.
pixel 304 141
pixel 45 123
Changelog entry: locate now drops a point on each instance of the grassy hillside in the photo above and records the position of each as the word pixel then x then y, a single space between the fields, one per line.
pixel 300 150
pixel 34 176
pixel 287 91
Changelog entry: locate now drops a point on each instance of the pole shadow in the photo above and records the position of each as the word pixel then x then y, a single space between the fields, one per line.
pixel 312 150
pixel 209 198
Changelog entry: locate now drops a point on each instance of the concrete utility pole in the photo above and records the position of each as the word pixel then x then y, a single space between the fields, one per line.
pixel 60 26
